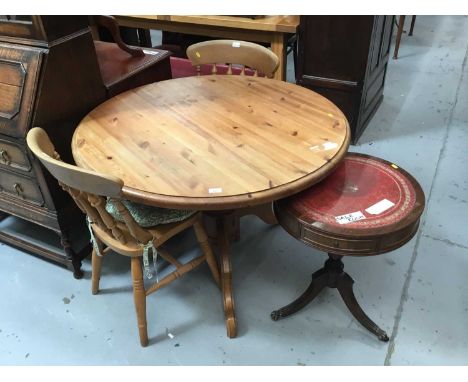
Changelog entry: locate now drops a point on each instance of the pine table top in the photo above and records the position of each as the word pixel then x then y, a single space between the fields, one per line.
pixel 213 142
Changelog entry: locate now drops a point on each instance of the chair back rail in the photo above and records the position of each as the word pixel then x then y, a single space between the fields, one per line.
pixel 89 190
pixel 247 54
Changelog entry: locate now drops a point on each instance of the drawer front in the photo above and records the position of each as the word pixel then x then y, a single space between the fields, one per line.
pixel 19 75
pixel 21 188
pixel 14 156
pixel 334 244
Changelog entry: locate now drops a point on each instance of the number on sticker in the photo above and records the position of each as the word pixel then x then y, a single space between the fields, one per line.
pixel 215 190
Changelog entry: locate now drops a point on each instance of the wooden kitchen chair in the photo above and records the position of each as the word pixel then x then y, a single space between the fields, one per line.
pixel 247 54
pixel 124 227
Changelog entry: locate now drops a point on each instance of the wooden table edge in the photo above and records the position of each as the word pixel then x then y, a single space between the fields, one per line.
pixel 235 201
pixel 223 22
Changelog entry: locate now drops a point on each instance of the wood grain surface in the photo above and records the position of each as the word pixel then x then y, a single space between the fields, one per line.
pixel 273 30
pixel 213 142
pixel 279 23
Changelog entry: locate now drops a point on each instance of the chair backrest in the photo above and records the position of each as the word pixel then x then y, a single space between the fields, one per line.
pixel 247 54
pixel 88 189
pixel 110 23
pixel 89 181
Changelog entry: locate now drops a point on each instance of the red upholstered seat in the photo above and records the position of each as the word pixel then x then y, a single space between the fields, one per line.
pixel 379 194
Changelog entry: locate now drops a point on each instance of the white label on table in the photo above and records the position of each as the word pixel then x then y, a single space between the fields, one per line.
pixel 215 190
pixel 324 146
pixel 380 207
pixel 329 145
pixel 349 218
pixel 236 44
pixel 152 52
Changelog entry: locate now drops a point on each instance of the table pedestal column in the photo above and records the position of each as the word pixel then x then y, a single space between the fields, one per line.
pixel 223 234
pixel 227 229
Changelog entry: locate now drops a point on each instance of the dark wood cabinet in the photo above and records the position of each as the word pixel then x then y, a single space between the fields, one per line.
pixel 49 77
pixel 345 59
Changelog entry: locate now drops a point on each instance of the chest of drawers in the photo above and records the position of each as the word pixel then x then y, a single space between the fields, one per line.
pixel 49 77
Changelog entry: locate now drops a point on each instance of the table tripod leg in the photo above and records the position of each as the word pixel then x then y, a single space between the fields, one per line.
pixel 226 278
pixel 319 281
pixel 345 287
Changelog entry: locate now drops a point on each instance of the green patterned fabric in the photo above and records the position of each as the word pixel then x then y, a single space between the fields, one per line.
pixel 147 216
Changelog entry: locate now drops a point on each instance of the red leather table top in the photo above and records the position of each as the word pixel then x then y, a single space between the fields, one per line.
pixel 357 184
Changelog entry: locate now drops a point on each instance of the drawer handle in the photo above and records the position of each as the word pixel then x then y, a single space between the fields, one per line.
pixel 18 189
pixel 5 156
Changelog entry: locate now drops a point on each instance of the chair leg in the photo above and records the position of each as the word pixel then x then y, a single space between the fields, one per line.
pixel 295 58
pixel 413 20
pixel 202 239
pixel 139 297
pixel 96 262
pixel 401 23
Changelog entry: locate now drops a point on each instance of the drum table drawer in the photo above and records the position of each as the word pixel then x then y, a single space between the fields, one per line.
pixel 335 244
pixel 20 187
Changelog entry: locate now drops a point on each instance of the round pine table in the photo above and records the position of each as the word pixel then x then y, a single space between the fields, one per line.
pixel 227 145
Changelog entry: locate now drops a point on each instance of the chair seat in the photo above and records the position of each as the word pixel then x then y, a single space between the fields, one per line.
pixel 364 199
pixel 147 216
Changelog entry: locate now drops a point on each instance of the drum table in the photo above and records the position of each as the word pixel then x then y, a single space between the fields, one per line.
pixel 366 207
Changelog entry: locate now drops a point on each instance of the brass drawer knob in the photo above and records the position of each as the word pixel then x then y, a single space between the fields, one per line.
pixel 5 157
pixel 19 189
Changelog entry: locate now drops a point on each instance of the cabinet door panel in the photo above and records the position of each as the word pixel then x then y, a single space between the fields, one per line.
pixel 376 43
